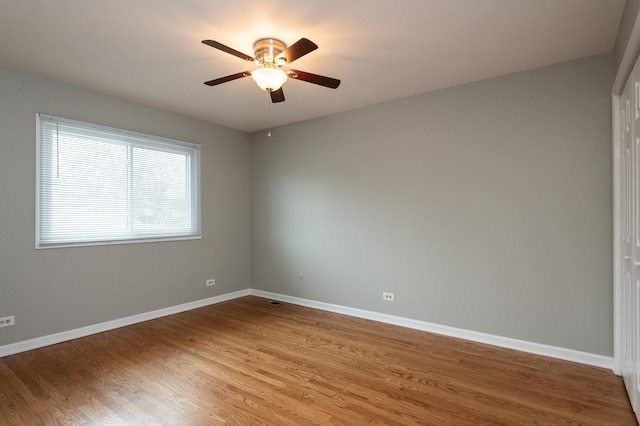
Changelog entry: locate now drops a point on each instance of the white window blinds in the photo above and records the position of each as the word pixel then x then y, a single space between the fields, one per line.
pixel 99 185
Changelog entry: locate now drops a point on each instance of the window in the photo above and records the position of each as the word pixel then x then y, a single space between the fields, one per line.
pixel 98 185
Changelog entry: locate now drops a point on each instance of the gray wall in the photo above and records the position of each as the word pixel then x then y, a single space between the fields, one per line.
pixel 485 207
pixel 629 15
pixel 61 289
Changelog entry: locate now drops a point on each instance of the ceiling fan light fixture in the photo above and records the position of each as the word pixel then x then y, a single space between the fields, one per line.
pixel 269 79
pixel 270 56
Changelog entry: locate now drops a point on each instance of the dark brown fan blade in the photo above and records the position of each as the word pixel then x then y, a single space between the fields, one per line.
pixel 227 49
pixel 314 78
pixel 298 49
pixel 277 96
pixel 227 78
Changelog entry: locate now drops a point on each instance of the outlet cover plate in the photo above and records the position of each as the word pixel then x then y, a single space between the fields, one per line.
pixel 7 321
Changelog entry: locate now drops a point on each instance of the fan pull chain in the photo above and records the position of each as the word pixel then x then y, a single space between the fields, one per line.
pixel 269 121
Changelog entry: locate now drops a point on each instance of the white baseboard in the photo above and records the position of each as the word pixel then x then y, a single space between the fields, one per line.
pixel 52 339
pixel 505 342
pixel 490 339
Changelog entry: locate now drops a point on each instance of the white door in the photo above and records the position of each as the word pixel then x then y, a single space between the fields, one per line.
pixel 630 229
pixel 626 202
pixel 634 292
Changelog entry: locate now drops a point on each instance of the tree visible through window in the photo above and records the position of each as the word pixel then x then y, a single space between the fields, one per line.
pixel 100 185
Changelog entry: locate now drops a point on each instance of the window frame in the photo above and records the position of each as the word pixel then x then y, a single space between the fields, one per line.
pixel 173 145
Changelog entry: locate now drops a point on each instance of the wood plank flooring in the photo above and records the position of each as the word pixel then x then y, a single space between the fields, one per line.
pixel 245 363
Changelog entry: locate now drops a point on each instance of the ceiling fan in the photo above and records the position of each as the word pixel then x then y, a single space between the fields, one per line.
pixel 271 55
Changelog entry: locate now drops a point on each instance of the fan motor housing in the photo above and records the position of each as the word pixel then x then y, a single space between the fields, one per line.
pixel 266 51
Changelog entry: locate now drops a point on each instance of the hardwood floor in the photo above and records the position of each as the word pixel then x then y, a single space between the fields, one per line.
pixel 243 362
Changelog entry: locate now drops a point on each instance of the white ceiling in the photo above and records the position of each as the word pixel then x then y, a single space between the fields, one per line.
pixel 150 51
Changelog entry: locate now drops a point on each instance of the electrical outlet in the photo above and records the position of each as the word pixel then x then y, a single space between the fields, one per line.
pixel 210 282
pixel 7 321
pixel 387 296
